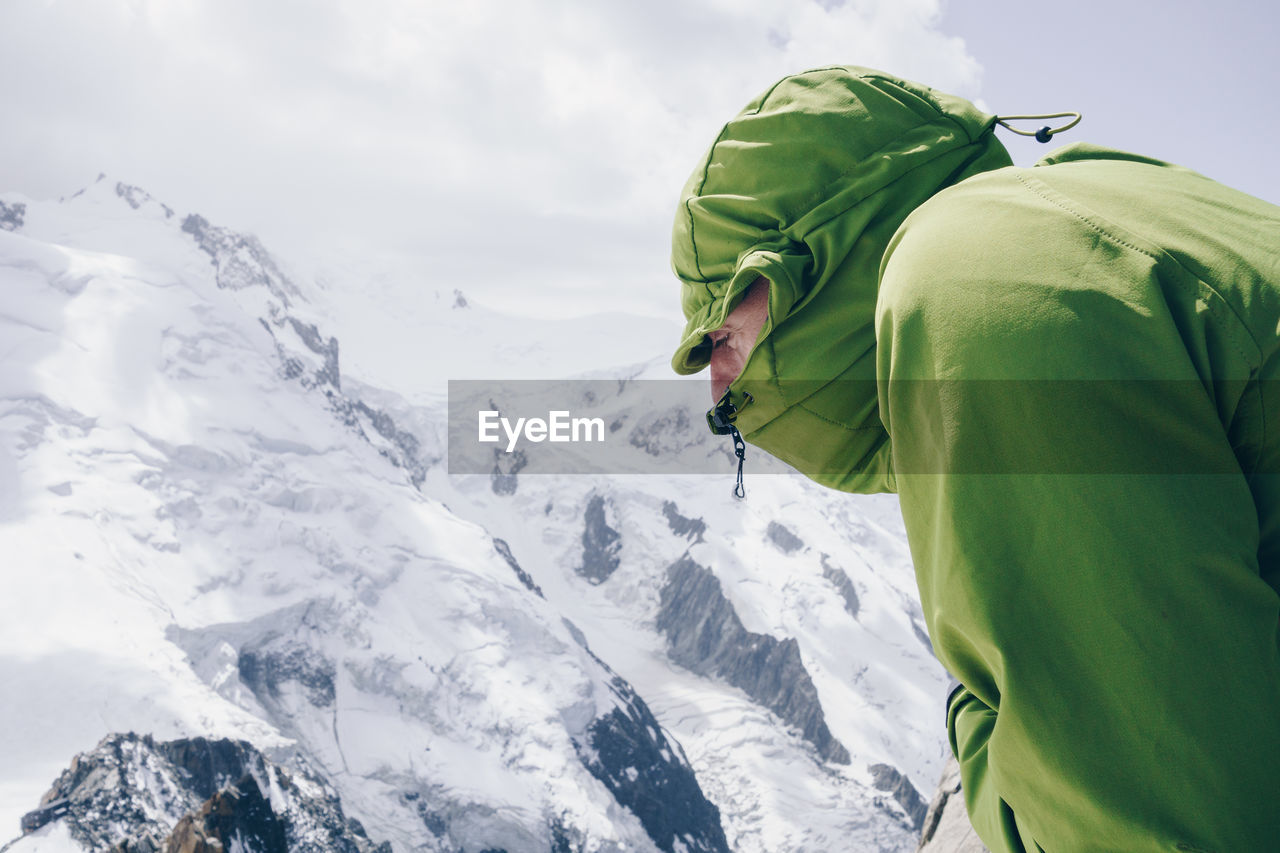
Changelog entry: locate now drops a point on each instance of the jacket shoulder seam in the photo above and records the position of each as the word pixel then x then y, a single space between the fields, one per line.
pixel 1051 196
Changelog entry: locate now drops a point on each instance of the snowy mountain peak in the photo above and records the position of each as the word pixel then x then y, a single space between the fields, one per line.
pixel 140 199
pixel 240 260
pixel 136 794
pixel 224 493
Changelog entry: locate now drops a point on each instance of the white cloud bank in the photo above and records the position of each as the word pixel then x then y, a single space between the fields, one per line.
pixel 523 150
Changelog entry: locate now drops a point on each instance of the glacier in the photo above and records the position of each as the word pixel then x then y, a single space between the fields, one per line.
pixel 226 513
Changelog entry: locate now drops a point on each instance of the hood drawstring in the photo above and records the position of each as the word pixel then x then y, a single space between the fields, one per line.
pixel 1045 133
pixel 720 420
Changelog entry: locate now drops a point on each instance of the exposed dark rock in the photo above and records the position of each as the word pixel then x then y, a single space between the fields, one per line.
pixel 648 773
pixel 431 819
pixel 504 551
pixel 600 543
pixel 385 426
pixel 328 374
pixel 266 666
pixel 136 197
pixel 242 261
pixel 47 812
pixel 506 467
pixel 563 839
pixel 662 433
pixel 782 536
pixel 404 450
pixel 290 367
pixel 690 528
pixel 132 794
pixel 704 634
pixel 946 824
pixel 889 779
pixel 12 215
pixel 576 632
pixel 239 259
pixel 237 817
pixel 843 585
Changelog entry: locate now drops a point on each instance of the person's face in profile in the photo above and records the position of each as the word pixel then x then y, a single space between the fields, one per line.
pixel 733 342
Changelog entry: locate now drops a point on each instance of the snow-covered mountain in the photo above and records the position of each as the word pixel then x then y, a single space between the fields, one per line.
pixel 226 512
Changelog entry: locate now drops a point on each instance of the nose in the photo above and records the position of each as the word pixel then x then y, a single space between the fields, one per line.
pixel 726 364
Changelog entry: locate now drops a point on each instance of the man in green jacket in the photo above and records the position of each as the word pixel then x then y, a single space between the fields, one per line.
pixel 1066 372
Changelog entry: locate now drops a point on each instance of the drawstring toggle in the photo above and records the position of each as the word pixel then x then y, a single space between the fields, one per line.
pixel 720 420
pixel 1045 133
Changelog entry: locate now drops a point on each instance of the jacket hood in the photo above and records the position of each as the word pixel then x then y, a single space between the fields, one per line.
pixel 806 187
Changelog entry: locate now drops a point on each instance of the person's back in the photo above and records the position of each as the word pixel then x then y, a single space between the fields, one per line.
pixel 1073 362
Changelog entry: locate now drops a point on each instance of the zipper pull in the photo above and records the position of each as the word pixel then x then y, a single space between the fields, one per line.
pixel 739 448
pixel 720 420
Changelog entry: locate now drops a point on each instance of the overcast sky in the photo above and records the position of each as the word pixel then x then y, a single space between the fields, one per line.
pixel 530 152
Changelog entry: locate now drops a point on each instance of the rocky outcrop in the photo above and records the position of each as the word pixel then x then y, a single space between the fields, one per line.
pixel 690 528
pixel 662 433
pixel 504 551
pixel 600 543
pixel 837 577
pixel 400 447
pixel 326 348
pixel 782 537
pixel 888 778
pixel 946 824
pixel 705 635
pixel 240 260
pixel 12 215
pixel 136 197
pixel 266 666
pixel 650 775
pixel 132 794
pixel 238 816
pixel 506 468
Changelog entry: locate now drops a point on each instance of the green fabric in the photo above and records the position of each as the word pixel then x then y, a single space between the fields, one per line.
pixel 806 186
pixel 1077 364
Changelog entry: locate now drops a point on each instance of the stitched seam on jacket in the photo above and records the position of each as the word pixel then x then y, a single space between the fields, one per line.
pixel 688 209
pixel 706 171
pixel 1216 306
pixel 846 427
pixel 1047 193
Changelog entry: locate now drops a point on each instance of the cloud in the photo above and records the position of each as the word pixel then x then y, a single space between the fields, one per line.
pixel 511 146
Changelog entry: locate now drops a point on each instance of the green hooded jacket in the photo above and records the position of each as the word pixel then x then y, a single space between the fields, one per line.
pixel 1067 372
pixel 806 186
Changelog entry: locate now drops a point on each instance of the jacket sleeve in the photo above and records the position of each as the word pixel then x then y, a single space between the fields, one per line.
pixel 1061 399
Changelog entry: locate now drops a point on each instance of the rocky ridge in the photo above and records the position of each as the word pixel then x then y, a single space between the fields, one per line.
pixel 705 634
pixel 133 794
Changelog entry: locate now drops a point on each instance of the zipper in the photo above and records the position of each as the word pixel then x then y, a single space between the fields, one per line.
pixel 720 420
